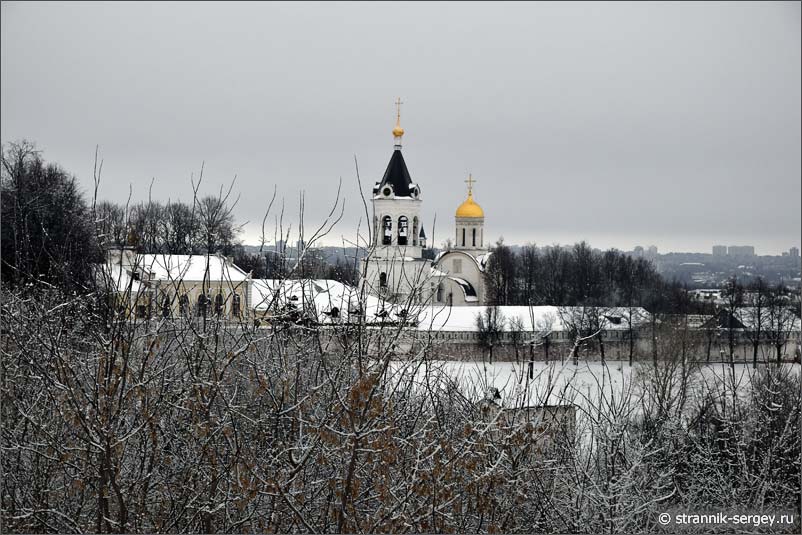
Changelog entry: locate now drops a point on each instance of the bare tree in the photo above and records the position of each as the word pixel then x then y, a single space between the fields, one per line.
pixel 316 423
pixel 46 231
pixel 499 275
pixel 733 295
pixel 754 314
pixel 516 328
pixel 584 324
pixel 489 328
pixel 780 319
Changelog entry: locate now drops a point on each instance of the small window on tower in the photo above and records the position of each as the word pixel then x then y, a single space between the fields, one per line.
pixel 474 237
pixel 403 227
pixel 387 230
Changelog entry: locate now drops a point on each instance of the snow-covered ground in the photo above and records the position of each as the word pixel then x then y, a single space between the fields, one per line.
pixel 555 382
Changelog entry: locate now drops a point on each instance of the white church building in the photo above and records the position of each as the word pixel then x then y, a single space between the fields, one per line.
pixel 461 268
pixel 395 268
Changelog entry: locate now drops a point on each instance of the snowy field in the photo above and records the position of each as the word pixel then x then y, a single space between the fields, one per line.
pixel 555 382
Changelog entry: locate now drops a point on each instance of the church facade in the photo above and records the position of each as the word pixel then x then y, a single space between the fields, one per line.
pixel 461 268
pixel 395 268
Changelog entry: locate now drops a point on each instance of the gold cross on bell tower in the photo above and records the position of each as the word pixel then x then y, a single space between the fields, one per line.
pixel 470 181
pixel 398 131
pixel 398 111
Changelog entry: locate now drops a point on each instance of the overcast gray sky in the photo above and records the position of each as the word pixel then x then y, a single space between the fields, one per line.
pixel 623 124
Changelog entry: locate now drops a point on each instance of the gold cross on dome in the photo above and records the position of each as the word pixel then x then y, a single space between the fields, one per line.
pixel 398 110
pixel 470 181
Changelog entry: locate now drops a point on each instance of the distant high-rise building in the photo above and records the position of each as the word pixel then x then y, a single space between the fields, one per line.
pixel 651 252
pixel 638 250
pixel 794 252
pixel 741 250
pixel 719 250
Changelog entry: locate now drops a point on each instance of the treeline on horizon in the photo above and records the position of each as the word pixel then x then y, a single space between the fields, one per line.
pixel 581 276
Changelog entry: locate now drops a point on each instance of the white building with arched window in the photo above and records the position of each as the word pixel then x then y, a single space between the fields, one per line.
pixel 395 268
pixel 461 269
pixel 172 286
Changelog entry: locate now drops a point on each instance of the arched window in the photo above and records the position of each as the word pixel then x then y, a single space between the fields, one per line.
pixel 403 230
pixel 166 305
pixel 218 304
pixel 474 237
pixel 415 230
pixel 183 305
pixel 440 293
pixel 382 280
pixel 387 229
pixel 463 237
pixel 203 304
pixel 143 305
pixel 235 304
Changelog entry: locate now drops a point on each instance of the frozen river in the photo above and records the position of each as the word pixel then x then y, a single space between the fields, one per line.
pixel 555 382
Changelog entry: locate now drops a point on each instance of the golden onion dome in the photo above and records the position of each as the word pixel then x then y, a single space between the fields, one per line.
pixel 398 131
pixel 469 208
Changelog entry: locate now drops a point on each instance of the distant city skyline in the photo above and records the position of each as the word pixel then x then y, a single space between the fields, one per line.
pixel 710 250
pixel 621 124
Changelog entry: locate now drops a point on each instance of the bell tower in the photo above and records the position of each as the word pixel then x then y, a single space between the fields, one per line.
pixel 395 267
pixel 470 224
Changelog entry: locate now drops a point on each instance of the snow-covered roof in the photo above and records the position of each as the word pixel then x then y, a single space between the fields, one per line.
pixel 171 268
pixel 536 318
pixel 693 321
pixel 469 292
pixel 480 261
pixel 318 297
pixel 190 268
pixel 749 317
pixel 118 278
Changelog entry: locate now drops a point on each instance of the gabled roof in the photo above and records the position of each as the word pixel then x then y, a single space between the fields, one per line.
pixel 170 268
pixel 397 176
pixel 724 320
